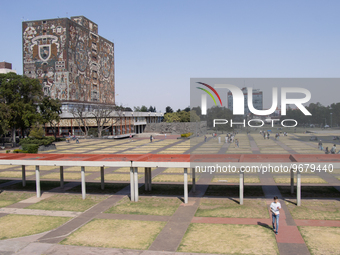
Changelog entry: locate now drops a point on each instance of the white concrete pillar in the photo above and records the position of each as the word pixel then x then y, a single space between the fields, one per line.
pixel 291 181
pixel 37 181
pixel 241 187
pixel 61 177
pixel 102 184
pixel 83 183
pixel 193 180
pixel 298 188
pixel 23 170
pixel 136 183
pixel 185 185
pixel 132 185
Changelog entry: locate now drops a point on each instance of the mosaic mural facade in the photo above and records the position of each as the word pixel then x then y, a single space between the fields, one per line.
pixel 72 62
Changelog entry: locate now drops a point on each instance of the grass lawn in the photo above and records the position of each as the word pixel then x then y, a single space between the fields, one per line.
pixel 236 180
pixel 321 240
pixel 233 191
pixel 303 180
pixel 95 188
pixel 12 197
pixel 146 206
pixel 252 208
pixel 315 210
pixel 310 191
pixel 67 176
pixel 171 178
pixel 119 177
pixel 165 189
pixel 31 186
pixel 123 234
pixel 14 174
pixel 12 226
pixel 69 202
pixel 230 239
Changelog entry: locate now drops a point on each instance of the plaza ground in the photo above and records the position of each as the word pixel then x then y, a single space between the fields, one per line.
pixel 212 222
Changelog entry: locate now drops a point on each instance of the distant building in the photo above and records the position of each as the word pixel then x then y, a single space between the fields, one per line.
pixel 6 68
pixel 72 62
pixel 257 100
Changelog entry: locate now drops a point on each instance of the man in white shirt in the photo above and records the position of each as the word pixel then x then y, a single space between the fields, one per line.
pixel 275 209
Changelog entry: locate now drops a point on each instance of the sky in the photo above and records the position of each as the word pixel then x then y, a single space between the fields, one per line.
pixel 160 45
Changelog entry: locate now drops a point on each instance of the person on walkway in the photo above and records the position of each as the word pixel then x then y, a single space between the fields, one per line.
pixel 151 138
pixel 205 138
pixel 77 140
pixel 333 150
pixel 236 143
pixel 320 145
pixel 326 151
pixel 275 208
pixel 130 137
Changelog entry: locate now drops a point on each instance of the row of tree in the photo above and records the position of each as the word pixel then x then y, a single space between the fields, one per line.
pixel 22 104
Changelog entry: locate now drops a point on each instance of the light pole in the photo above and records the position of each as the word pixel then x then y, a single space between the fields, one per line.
pixel 331 119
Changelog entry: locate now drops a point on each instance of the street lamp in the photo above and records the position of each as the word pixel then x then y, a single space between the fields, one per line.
pixel 331 119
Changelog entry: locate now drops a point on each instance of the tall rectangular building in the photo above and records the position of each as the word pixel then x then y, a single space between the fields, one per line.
pixel 72 62
pixel 257 100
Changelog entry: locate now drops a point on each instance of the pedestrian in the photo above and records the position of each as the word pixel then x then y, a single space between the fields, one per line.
pixel 77 140
pixel 326 151
pixel 333 150
pixel 165 135
pixel 275 209
pixel 268 135
pixel 236 143
pixel 151 138
pixel 320 145
pixel 130 137
pixel 205 138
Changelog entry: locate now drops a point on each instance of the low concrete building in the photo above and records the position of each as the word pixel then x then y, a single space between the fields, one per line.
pixel 6 68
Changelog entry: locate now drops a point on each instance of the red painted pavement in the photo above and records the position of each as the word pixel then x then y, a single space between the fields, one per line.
pixel 289 234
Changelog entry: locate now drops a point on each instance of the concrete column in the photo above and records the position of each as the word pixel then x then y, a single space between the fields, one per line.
pixel 150 178
pixel 37 180
pixel 298 188
pixel 102 185
pixel 61 177
pixel 83 183
pixel 241 187
pixel 23 170
pixel 136 183
pixel 185 185
pixel 146 178
pixel 193 180
pixel 291 181
pixel 132 185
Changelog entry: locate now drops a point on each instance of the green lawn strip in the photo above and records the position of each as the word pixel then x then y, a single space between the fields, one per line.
pixel 310 191
pixel 231 239
pixel 321 240
pixel 31 186
pixel 234 191
pixel 8 197
pixel 146 206
pixel 95 188
pixel 252 208
pixel 124 234
pixel 315 210
pixel 69 202
pixel 12 226
pixel 165 189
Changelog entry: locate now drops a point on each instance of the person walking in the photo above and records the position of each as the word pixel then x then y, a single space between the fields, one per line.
pixel 151 138
pixel 320 145
pixel 326 151
pixel 236 143
pixel 205 138
pixel 333 150
pixel 275 208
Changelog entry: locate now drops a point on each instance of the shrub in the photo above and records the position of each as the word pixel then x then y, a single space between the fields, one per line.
pixel 18 151
pixel 8 151
pixel 30 148
pixel 43 141
pixel 186 134
pixel 37 132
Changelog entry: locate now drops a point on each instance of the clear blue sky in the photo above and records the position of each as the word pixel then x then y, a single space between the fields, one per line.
pixel 161 44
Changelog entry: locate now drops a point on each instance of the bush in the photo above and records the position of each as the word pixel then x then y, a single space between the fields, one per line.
pixel 60 139
pixel 186 134
pixel 8 151
pixel 47 140
pixel 18 151
pixel 30 148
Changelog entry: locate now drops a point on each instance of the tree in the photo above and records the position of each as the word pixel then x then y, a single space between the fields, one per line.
pixel 21 96
pixel 37 131
pixel 80 114
pixel 187 109
pixel 103 115
pixel 50 109
pixel 168 109
pixel 152 109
